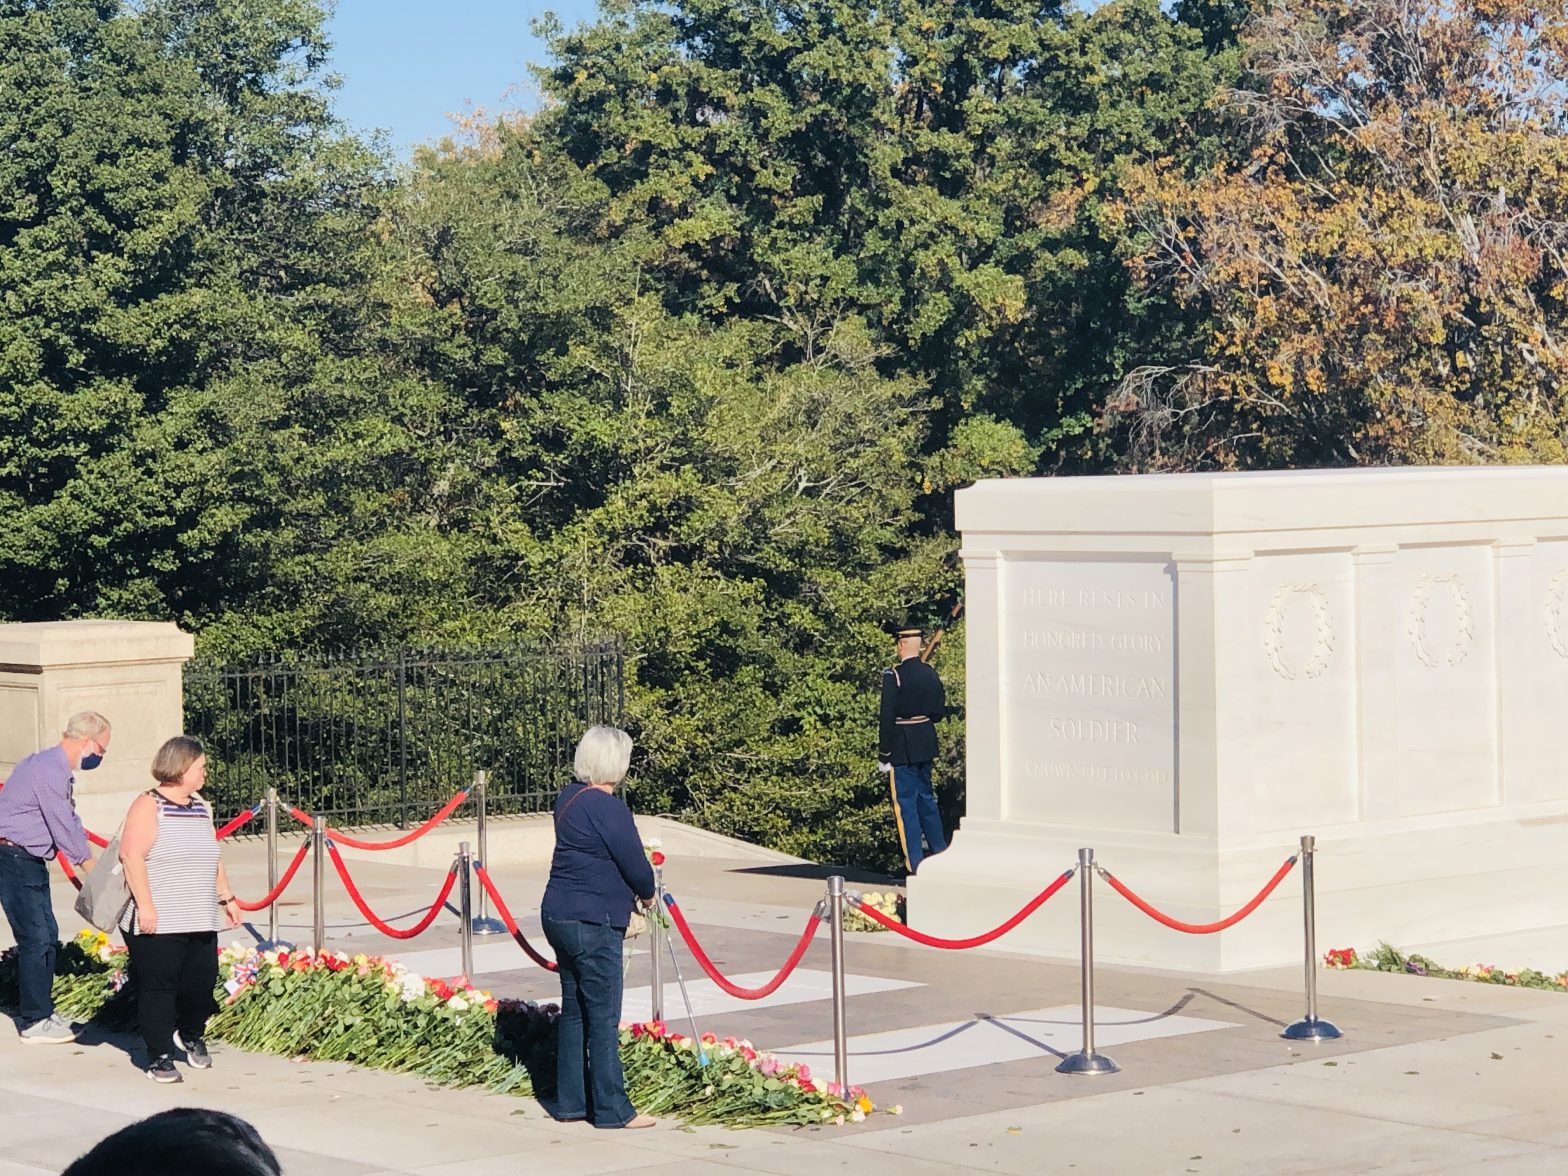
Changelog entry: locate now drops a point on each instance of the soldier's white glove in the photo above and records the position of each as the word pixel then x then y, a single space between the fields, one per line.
pixel 884 766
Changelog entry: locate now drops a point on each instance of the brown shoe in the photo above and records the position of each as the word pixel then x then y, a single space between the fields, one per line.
pixel 640 1122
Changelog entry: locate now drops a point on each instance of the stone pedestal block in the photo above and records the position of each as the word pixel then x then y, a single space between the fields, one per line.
pixel 128 671
pixel 1188 672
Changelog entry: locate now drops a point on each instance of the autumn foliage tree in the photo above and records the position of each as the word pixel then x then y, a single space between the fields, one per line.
pixel 1383 255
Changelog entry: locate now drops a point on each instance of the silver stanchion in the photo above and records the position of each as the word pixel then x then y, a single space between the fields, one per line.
pixel 1311 1027
pixel 272 865
pixel 465 899
pixel 318 840
pixel 1086 1060
pixel 484 924
pixel 655 934
pixel 840 1034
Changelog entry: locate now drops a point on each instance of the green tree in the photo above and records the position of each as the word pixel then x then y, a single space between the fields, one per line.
pixel 740 510
pixel 183 256
pixel 937 170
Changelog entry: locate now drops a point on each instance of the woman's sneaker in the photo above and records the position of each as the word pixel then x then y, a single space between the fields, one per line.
pixel 162 1070
pixel 195 1052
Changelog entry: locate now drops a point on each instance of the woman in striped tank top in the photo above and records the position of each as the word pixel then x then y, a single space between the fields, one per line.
pixel 178 886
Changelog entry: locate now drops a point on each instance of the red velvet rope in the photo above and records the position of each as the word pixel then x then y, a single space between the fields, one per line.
pixel 1033 905
pixel 69 873
pixel 1200 928
pixel 341 838
pixel 236 823
pixel 714 974
pixel 100 842
pixel 385 928
pixel 271 896
pixel 511 923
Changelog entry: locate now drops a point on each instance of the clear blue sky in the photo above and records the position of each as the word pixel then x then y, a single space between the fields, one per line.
pixel 406 63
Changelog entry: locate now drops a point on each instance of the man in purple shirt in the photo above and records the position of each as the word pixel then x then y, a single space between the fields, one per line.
pixel 38 820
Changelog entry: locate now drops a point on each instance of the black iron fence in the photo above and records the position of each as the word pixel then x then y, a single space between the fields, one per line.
pixel 386 738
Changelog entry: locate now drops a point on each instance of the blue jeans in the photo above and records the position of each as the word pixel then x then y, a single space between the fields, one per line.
pixel 24 894
pixel 588 1079
pixel 914 810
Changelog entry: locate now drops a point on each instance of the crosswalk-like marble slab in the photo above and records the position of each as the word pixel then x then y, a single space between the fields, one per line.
pixel 980 1041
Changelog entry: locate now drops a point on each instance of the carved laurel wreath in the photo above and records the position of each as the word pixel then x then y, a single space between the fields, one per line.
pixel 1465 621
pixel 1556 599
pixel 1274 631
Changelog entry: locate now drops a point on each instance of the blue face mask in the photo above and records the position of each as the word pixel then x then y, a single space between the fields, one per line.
pixel 89 762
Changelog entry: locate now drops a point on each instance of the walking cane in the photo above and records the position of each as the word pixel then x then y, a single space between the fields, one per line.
pixel 691 1017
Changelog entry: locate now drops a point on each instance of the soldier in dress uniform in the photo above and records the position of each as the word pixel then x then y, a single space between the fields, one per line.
pixel 913 702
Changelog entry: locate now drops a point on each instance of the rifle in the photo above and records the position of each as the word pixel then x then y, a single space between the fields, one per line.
pixel 936 637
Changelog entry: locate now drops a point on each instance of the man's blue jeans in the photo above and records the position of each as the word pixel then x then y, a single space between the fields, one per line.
pixel 915 813
pixel 588 1079
pixel 24 894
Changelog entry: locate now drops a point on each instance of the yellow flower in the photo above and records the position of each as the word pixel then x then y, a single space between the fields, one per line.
pixel 863 1104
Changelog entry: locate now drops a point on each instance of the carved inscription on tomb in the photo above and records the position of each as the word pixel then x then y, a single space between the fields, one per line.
pixel 1089 687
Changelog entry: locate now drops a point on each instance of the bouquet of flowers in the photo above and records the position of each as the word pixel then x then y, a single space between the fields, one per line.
pixel 1389 959
pixel 888 902
pixel 735 1082
pixel 366 1009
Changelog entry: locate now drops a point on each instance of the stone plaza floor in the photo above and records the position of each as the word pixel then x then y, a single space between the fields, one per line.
pixel 1431 1076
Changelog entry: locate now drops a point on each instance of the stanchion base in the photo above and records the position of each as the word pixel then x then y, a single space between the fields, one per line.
pixel 1311 1029
pixel 274 945
pixel 1087 1063
pixel 489 927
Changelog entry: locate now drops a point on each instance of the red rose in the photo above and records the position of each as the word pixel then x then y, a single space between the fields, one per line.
pixel 658 858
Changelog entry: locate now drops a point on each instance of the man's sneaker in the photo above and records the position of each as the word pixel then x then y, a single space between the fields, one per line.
pixel 55 1030
pixel 162 1070
pixel 195 1052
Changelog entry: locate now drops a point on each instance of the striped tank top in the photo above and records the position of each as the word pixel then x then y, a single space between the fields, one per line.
pixel 182 869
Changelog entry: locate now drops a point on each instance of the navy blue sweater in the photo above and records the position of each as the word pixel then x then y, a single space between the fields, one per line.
pixel 599 868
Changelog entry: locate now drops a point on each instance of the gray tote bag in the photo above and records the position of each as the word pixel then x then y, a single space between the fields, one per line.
pixel 105 893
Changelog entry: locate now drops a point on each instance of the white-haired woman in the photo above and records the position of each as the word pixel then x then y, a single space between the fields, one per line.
pixel 597 875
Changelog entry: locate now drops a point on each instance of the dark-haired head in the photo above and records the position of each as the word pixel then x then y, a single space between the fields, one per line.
pixel 189 1140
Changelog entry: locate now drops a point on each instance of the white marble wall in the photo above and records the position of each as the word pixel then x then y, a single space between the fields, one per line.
pixel 1188 672
pixel 128 671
